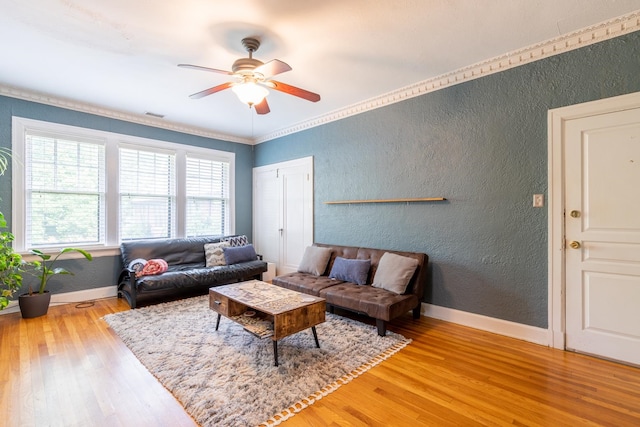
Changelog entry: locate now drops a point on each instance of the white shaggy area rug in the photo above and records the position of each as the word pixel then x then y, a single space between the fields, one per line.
pixel 228 378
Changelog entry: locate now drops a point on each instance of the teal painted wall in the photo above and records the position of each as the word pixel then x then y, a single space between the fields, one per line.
pixel 482 145
pixel 104 271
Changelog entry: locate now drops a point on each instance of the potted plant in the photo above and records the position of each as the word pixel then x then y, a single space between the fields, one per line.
pixel 11 266
pixel 34 304
pixel 10 262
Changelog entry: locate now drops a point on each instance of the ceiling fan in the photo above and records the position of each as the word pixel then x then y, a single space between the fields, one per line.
pixel 252 78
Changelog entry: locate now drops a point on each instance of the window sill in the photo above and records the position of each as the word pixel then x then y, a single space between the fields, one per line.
pixel 96 252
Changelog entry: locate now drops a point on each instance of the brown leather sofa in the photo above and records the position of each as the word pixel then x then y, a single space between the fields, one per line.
pixel 375 302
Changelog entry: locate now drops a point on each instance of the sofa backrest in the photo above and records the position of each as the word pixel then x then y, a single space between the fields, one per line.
pixel 417 283
pixel 173 251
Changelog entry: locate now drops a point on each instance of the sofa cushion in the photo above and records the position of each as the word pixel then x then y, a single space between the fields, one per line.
pixel 237 254
pixel 305 282
pixel 314 261
pixel 351 270
pixel 374 302
pixel 214 253
pixel 174 251
pixel 236 240
pixel 394 272
pixel 198 276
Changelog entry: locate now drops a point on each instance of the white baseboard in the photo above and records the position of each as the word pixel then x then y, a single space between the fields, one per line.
pixel 558 338
pixel 489 324
pixel 71 297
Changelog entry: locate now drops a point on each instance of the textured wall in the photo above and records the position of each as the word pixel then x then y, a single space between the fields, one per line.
pixel 104 271
pixel 483 146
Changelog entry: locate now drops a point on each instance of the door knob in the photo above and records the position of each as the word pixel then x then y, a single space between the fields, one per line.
pixel 575 214
pixel 575 245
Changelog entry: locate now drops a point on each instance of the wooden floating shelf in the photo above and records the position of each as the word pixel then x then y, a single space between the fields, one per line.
pixel 423 199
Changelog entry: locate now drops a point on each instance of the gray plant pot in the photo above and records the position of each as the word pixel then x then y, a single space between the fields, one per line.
pixel 34 305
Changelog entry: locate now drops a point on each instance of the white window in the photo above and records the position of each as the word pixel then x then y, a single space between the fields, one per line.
pixel 147 194
pixel 65 190
pixel 207 196
pixel 94 189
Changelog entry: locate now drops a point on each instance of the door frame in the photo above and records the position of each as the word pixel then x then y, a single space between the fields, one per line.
pixel 556 198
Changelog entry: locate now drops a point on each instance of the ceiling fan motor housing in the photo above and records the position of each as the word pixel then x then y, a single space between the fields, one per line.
pixel 245 65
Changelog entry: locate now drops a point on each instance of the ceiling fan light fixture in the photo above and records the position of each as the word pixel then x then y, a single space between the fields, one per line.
pixel 251 75
pixel 250 93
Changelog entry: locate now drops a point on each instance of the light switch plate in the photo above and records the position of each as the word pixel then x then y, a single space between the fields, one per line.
pixel 538 200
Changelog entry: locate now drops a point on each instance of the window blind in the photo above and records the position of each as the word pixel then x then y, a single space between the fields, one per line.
pixel 207 192
pixel 64 190
pixel 147 194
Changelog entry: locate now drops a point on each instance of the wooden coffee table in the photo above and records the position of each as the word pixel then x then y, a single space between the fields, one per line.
pixel 268 311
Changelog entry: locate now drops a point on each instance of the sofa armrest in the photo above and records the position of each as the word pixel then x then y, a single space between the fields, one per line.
pixel 128 277
pixel 126 274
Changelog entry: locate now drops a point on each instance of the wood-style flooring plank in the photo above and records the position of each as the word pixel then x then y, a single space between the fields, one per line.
pixel 68 368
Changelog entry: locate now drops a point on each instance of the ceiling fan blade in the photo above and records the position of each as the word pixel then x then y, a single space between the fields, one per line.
pixel 272 68
pixel 197 67
pixel 262 107
pixel 295 91
pixel 211 90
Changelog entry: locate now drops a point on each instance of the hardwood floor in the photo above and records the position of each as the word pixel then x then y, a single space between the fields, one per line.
pixel 69 369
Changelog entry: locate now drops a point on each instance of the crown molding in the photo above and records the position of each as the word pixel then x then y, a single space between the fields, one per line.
pixel 141 119
pixel 604 31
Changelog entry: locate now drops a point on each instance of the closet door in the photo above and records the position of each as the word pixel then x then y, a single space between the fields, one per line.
pixel 297 213
pixel 267 195
pixel 283 212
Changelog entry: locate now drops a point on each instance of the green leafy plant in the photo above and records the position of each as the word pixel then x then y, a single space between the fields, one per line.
pixel 11 263
pixel 11 266
pixel 44 269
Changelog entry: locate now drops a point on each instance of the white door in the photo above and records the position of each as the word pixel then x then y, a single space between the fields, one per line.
pixel 267 210
pixel 602 230
pixel 297 224
pixel 283 212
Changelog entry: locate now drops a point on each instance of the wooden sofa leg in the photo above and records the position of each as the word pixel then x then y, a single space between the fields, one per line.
pixel 382 327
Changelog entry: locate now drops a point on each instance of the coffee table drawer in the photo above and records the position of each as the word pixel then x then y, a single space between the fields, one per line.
pixel 223 305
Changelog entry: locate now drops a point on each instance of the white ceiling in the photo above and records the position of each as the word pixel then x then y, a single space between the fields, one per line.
pixel 122 55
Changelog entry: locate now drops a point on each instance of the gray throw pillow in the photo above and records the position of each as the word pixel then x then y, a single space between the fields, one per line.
pixel 394 272
pixel 238 254
pixel 314 261
pixel 214 253
pixel 351 270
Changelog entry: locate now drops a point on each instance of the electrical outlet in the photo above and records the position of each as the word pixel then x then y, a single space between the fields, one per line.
pixel 538 200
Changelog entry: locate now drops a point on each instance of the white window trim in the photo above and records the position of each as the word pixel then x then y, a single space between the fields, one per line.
pixel 21 125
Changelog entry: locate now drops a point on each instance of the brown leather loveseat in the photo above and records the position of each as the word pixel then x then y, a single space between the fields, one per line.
pixel 367 297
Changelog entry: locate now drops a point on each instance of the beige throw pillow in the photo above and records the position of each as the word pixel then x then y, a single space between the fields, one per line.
pixel 394 272
pixel 214 253
pixel 314 261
